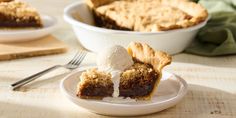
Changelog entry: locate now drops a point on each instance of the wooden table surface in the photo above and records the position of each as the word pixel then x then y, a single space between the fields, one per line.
pixel 212 81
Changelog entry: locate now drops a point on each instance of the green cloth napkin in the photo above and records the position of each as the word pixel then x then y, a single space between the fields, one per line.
pixel 218 37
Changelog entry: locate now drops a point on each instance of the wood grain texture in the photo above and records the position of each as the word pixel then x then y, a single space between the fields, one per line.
pixel 212 90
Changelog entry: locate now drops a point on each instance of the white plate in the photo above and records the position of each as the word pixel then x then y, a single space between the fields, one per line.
pixel 19 35
pixel 170 91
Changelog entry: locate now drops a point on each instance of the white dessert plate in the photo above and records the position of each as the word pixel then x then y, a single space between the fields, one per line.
pixel 170 91
pixel 20 35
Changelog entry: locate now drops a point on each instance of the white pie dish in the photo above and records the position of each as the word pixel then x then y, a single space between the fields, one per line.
pixel 95 38
pixel 170 91
pixel 28 34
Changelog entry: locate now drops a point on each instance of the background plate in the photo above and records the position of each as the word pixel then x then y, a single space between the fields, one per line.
pixel 20 35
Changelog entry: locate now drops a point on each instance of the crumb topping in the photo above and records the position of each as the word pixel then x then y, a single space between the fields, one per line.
pixel 95 77
pixel 19 9
pixel 138 70
pixel 151 17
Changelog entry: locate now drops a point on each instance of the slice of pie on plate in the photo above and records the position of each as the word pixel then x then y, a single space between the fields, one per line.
pixel 146 15
pixel 18 14
pixel 138 81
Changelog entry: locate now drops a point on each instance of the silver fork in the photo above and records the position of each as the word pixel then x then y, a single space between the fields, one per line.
pixel 73 64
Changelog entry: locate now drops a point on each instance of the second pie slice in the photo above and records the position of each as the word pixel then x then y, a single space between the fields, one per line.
pixel 18 14
pixel 138 81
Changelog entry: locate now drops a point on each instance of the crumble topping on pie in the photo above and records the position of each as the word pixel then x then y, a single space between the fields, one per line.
pixel 146 15
pixel 16 13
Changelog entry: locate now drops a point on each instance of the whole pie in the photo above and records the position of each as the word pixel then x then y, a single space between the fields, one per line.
pixel 146 15
pixel 138 81
pixel 17 14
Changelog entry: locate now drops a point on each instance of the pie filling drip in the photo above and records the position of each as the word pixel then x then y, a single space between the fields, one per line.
pixel 115 78
pixel 116 98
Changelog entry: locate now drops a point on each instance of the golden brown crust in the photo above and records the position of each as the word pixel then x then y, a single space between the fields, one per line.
pixel 145 54
pixel 197 11
pixel 158 59
pixel 148 15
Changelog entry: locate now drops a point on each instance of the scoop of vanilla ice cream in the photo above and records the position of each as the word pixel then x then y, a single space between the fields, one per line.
pixel 114 57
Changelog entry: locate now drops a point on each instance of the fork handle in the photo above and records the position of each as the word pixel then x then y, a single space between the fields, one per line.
pixel 32 77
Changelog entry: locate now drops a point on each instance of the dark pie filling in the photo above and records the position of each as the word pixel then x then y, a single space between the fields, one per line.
pixel 105 22
pixel 92 90
pixel 13 21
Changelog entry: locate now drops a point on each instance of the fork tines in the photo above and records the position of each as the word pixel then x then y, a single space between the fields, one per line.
pixel 78 58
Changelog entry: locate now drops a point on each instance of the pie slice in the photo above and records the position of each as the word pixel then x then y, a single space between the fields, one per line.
pixel 146 15
pixel 95 84
pixel 142 52
pixel 138 81
pixel 18 14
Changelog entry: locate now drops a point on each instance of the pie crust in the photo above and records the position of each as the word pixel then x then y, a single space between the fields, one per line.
pixel 144 53
pixel 146 15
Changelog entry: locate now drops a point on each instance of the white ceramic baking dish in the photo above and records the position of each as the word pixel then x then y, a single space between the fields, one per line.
pixel 95 38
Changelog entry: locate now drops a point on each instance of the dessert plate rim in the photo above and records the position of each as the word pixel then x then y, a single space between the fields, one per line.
pixel 28 34
pixel 103 104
